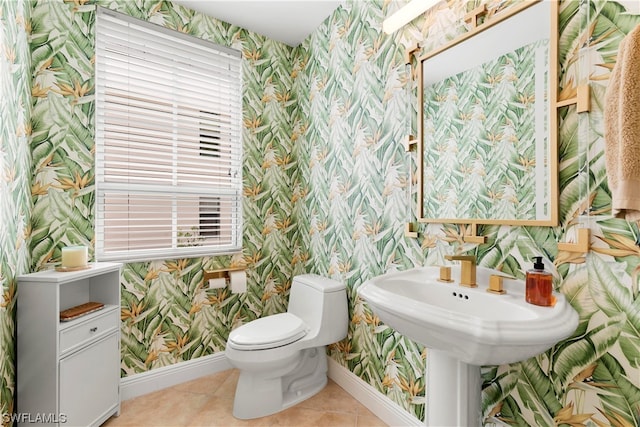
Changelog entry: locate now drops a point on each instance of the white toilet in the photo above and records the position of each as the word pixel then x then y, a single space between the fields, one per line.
pixel 282 358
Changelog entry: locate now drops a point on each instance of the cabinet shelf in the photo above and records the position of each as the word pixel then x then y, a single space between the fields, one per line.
pixel 89 316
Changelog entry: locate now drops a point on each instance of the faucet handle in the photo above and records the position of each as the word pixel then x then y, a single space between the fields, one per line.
pixel 445 274
pixel 495 284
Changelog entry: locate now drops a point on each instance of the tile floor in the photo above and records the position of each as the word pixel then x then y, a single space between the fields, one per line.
pixel 208 401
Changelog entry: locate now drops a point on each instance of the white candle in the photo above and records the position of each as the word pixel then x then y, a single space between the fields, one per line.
pixel 74 256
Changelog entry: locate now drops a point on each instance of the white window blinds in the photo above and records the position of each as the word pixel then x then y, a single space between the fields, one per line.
pixel 168 143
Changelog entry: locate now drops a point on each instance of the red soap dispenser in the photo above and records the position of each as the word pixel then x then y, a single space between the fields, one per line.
pixel 539 285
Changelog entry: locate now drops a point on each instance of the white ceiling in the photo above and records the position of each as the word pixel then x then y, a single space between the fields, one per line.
pixel 287 21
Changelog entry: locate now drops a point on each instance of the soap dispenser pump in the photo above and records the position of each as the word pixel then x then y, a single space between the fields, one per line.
pixel 539 285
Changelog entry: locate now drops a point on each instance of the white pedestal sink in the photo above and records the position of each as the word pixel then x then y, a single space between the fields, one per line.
pixel 464 328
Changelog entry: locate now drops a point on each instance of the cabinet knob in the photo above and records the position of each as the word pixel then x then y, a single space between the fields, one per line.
pixel 95 328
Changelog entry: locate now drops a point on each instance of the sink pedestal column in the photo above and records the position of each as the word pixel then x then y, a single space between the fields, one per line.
pixel 454 391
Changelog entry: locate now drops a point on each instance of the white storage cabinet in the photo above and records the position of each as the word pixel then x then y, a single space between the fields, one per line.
pixel 68 373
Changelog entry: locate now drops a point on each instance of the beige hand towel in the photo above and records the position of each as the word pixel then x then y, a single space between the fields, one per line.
pixel 622 129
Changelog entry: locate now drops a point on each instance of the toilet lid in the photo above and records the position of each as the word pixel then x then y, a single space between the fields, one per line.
pixel 268 332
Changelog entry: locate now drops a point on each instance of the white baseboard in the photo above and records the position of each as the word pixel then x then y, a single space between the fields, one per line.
pixel 383 407
pixel 160 378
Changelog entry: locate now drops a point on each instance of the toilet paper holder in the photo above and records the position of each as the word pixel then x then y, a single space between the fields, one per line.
pixel 220 273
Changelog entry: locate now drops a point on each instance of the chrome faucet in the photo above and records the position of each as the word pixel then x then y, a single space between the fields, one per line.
pixel 468 269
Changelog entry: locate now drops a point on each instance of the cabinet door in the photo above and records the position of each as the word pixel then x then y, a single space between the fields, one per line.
pixel 89 381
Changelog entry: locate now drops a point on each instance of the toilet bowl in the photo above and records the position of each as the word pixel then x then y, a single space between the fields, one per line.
pixel 282 358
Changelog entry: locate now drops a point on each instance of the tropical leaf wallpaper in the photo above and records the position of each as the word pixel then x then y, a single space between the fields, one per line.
pixel 357 171
pixel 15 178
pixel 481 145
pixel 327 186
pixel 167 314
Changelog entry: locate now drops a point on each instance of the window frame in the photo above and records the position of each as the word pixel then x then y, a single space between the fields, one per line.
pixel 232 196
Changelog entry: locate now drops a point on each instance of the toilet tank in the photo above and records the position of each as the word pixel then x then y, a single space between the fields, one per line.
pixel 322 304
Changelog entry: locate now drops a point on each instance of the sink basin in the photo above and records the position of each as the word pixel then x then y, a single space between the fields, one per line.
pixel 469 324
pixel 464 328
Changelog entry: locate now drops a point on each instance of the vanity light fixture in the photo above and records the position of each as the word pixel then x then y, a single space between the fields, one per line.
pixel 407 14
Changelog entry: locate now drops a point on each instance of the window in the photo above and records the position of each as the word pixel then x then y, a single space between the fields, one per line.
pixel 168 143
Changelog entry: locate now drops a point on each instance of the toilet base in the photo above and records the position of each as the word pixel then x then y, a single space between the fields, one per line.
pixel 259 394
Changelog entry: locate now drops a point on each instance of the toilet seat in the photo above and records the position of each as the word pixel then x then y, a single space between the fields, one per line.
pixel 268 332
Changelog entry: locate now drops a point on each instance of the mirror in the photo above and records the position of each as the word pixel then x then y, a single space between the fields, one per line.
pixel 487 143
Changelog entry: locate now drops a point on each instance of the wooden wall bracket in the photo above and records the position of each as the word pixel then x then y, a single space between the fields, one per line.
pixel 582 243
pixel 473 237
pixel 582 100
pixel 219 273
pixel 472 17
pixel 410 143
pixel 411 50
pixel 410 231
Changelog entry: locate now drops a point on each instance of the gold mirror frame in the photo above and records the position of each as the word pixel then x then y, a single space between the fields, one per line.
pixel 554 104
